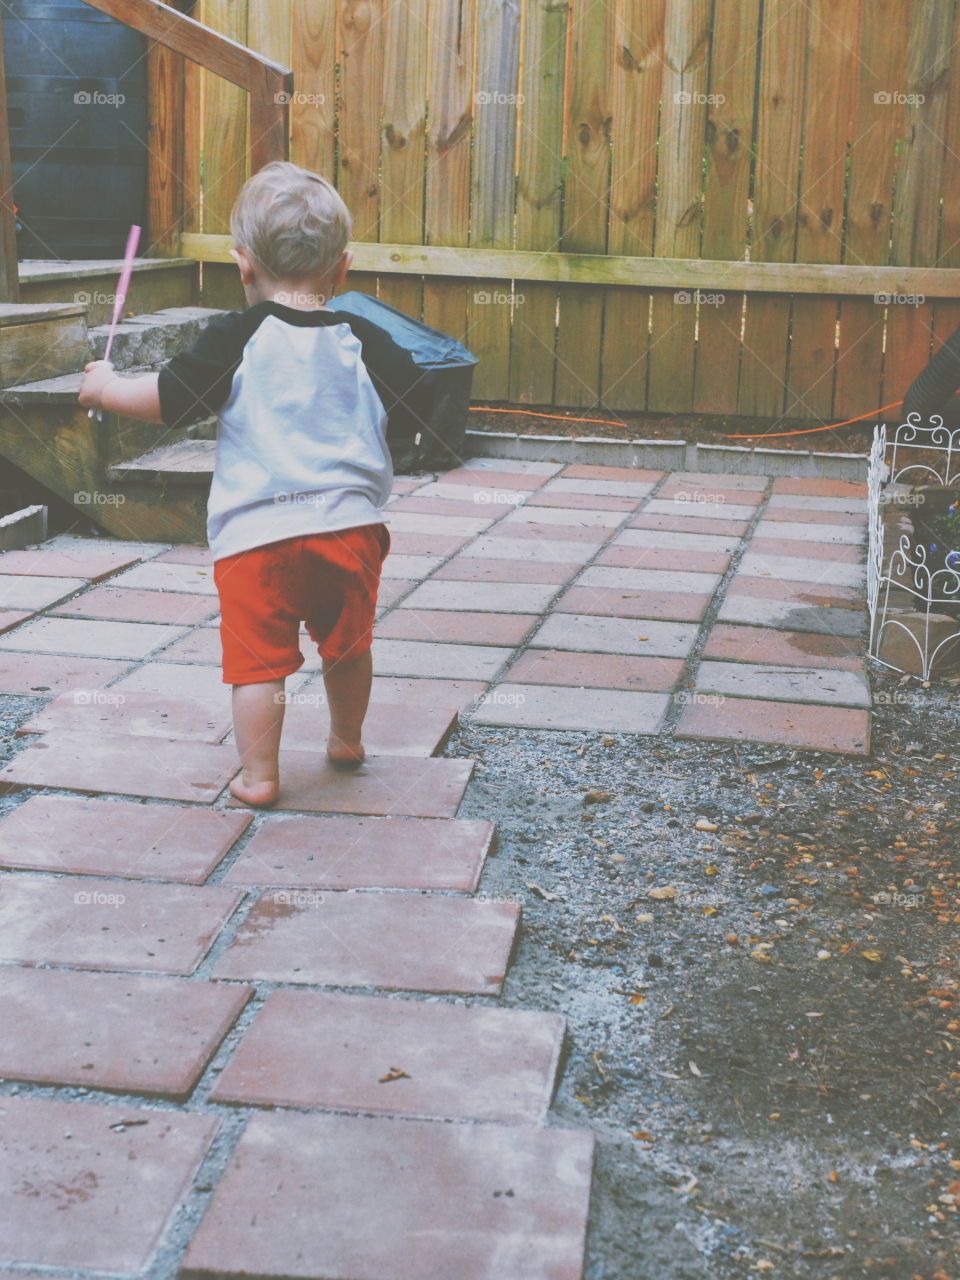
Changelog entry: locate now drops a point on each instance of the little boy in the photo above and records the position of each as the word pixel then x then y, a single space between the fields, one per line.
pixel 302 472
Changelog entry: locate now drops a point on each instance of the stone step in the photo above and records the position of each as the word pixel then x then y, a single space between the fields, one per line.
pixel 153 338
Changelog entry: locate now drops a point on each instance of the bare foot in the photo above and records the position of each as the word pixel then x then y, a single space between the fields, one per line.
pixel 260 795
pixel 343 755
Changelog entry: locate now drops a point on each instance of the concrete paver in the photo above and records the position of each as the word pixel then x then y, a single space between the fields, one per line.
pixel 128 604
pixel 497 597
pixel 395 941
pixel 681 606
pixel 91 639
pixel 787 684
pixel 457 627
pixel 479 1202
pixel 21 592
pixel 815 727
pixel 86 1188
pixel 595 634
pixel 337 1051
pixel 89 564
pixel 648 579
pixel 788 615
pixel 455 661
pixel 143 714
pixel 45 675
pixel 794 648
pixel 547 706
pixel 118 838
pixel 595 670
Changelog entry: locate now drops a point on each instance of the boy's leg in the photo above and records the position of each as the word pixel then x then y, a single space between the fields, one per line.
pixel 257 724
pixel 348 682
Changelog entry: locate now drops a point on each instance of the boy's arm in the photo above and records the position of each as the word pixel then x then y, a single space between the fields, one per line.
pixel 103 388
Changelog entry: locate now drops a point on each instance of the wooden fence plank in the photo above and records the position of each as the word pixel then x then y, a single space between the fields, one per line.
pixel 828 106
pixel 224 140
pixel 313 57
pixel 539 192
pixel 733 76
pixel 361 73
pixel 9 268
pixel 586 197
pixel 683 119
pixel 916 223
pixel 880 70
pixel 637 76
pixel 763 371
pixel 403 140
pixel 450 98
pixel 489 310
pixel 166 195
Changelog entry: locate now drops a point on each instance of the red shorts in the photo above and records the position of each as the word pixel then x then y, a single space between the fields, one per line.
pixel 327 580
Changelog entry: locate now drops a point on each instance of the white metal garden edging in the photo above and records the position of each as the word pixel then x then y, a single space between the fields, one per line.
pixel 912 454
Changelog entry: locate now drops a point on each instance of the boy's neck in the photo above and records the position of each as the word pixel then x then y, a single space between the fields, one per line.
pixel 299 297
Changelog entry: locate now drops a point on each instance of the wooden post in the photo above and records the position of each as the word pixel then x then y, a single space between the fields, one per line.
pixel 9 271
pixel 166 79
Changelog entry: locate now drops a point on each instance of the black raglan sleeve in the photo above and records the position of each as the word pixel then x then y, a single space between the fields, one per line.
pixel 931 390
pixel 196 384
pixel 399 381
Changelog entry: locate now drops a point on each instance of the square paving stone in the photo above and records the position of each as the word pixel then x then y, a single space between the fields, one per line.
pixel 628 489
pixel 594 670
pixel 705 511
pixel 390 591
pixel 46 675
pixel 648 579
pixel 661 558
pixel 365 853
pixel 846 552
pixel 83 1189
pixel 455 694
pixel 409 567
pixel 820 488
pixel 538 549
pixel 809 531
pixel 456 661
pixel 183 680
pixel 788 724
pixel 157 576
pixel 10 618
pixel 549 706
pixel 799 515
pixel 497 597
pixel 792 648
pixel 139 714
pixel 546 497
pixel 614 475
pixel 186 555
pixel 689 524
pixel 787 615
pixel 118 764
pixel 109 924
pixel 718 479
pixel 395 941
pixel 66 564
pixel 91 639
pixel 425 544
pixel 448 626
pixel 484 466
pixel 390 729
pixel 594 634
pixel 401 786
pixel 203 646
pixel 127 604
pixel 302 1195
pixel 816 593
pixel 676 541
pixel 797 569
pixel 527 531
pixel 564 516
pixel 118 838
pixel 784 684
pixel 492 499
pixel 683 606
pixel 849 506
pixel 458 526
pixel 471 569
pixel 703 494
pixel 18 592
pixel 113 1031
pixel 308 1049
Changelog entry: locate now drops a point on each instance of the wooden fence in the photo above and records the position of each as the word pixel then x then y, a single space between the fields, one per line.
pixel 523 136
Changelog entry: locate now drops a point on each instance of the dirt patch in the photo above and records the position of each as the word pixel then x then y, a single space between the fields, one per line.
pixel 770 1055
pixel 547 420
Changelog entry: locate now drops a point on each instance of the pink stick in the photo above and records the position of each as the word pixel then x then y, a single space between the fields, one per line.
pixel 133 241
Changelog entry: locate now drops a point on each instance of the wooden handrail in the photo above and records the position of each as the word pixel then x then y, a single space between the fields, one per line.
pixel 269 84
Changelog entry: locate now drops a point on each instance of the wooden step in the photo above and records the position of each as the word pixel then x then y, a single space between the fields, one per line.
pixel 156 283
pixel 41 340
pixel 186 462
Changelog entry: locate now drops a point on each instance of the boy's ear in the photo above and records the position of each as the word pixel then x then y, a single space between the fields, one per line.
pixel 341 269
pixel 245 263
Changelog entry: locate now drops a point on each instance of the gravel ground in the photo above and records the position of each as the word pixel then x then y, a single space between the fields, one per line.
pixel 767 1047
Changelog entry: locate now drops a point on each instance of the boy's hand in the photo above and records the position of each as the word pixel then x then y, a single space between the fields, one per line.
pixel 96 376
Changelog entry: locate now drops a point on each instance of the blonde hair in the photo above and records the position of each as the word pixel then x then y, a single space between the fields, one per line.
pixel 292 222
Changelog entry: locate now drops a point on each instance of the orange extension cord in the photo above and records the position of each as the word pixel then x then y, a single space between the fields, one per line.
pixel 772 435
